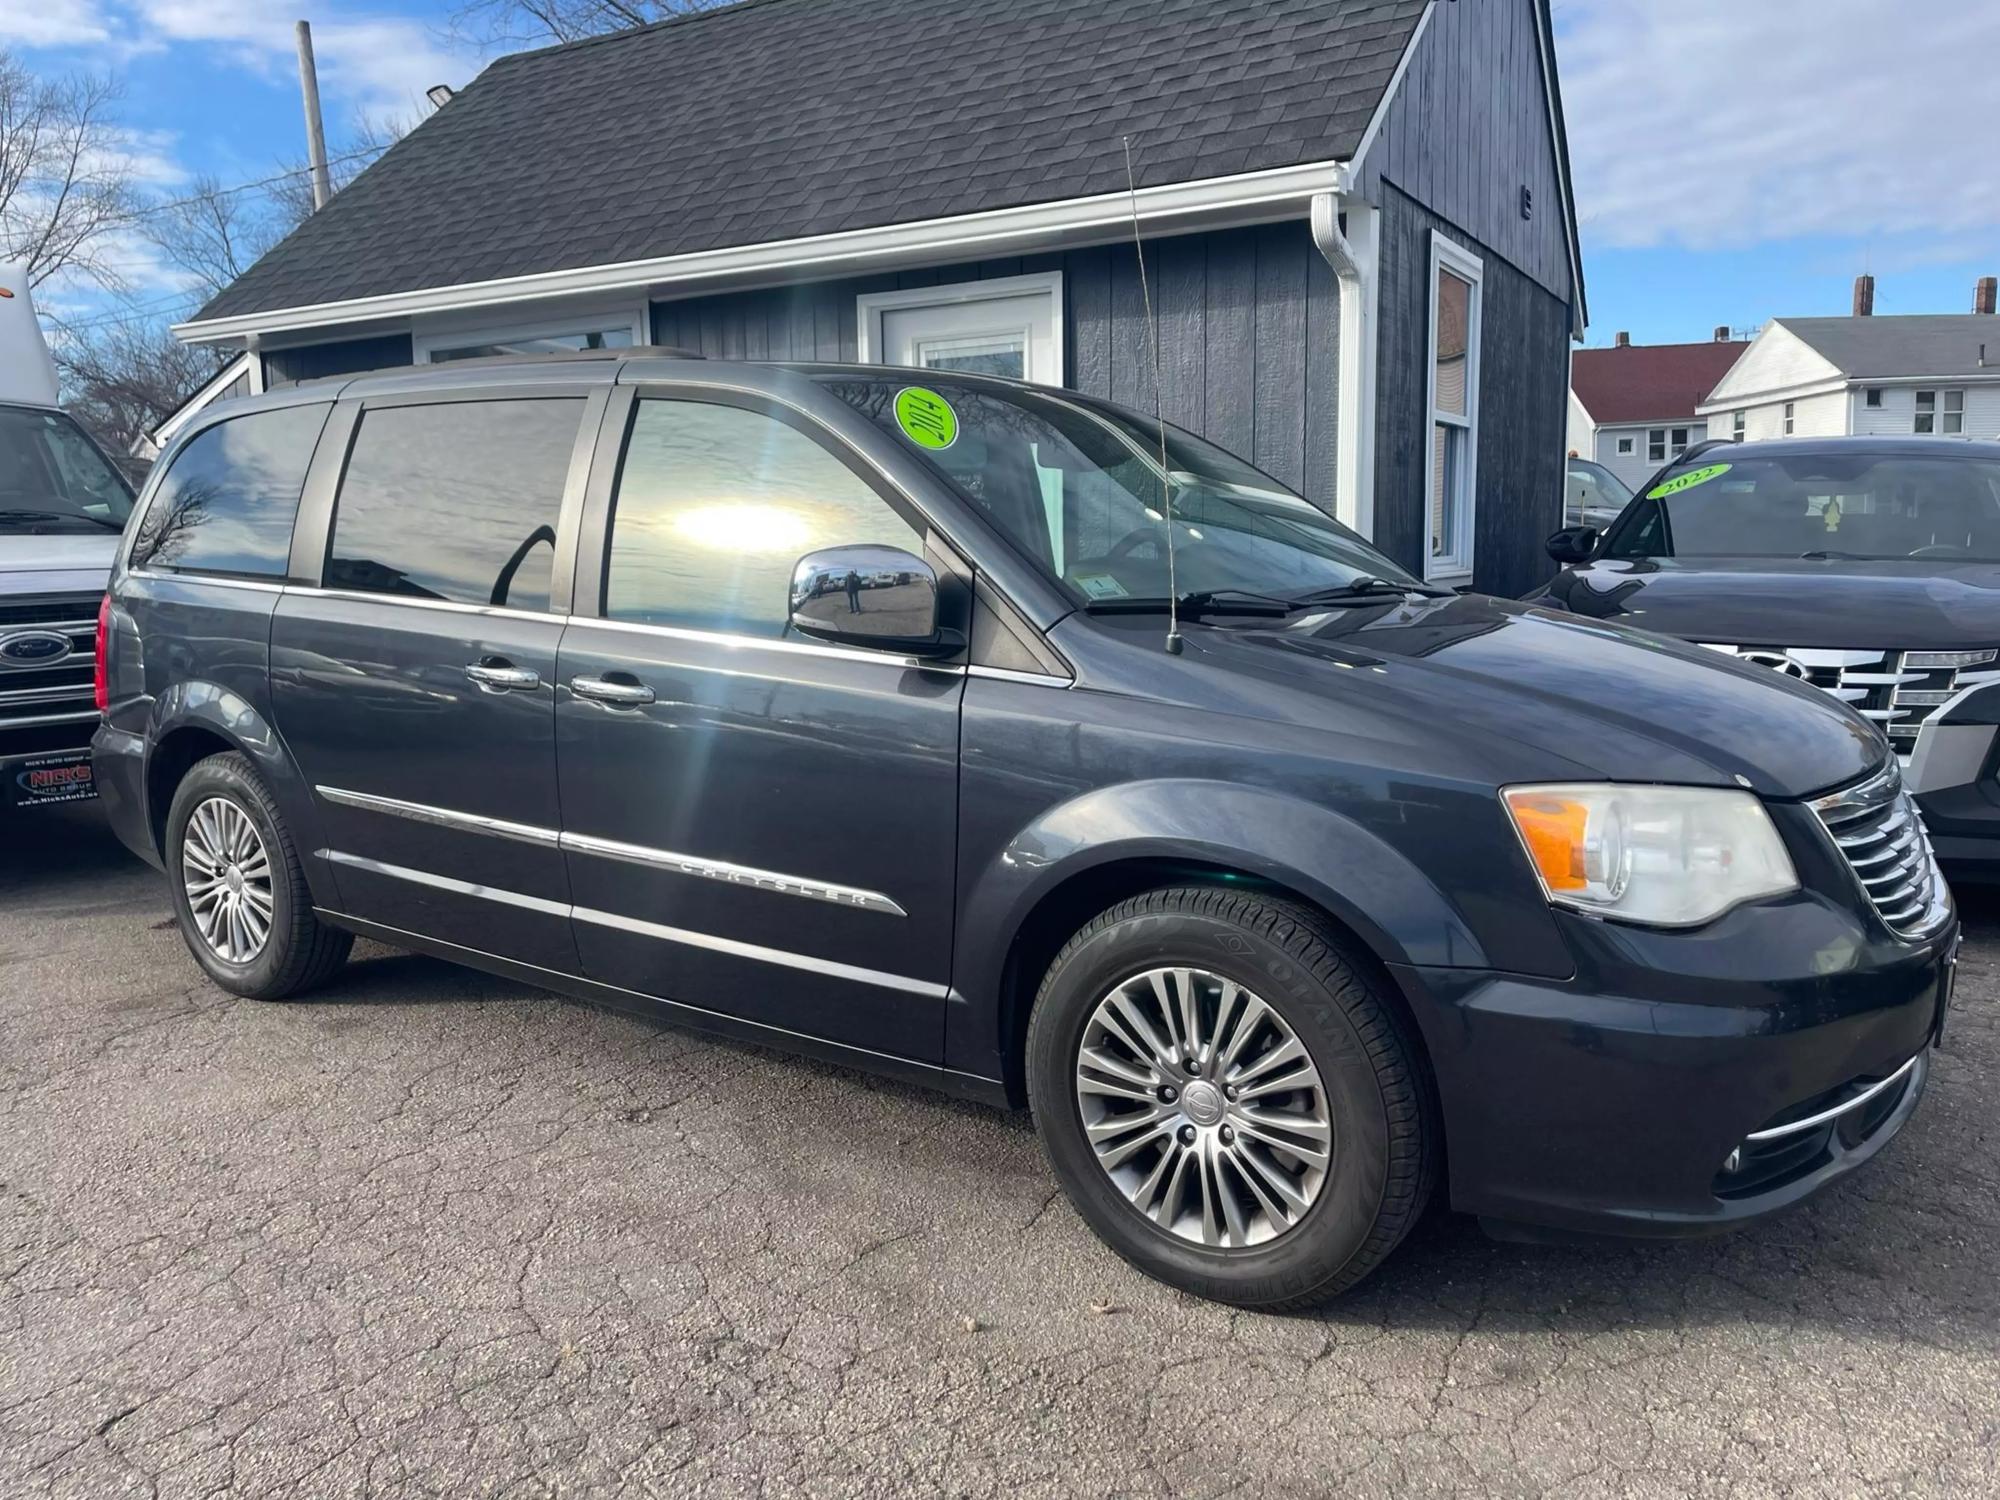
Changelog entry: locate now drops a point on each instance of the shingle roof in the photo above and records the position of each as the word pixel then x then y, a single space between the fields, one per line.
pixel 1881 348
pixel 776 119
pixel 1649 382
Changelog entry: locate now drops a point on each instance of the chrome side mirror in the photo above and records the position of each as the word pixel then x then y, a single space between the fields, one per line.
pixel 866 595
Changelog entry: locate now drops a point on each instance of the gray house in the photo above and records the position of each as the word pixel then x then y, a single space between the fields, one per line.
pixel 1357 220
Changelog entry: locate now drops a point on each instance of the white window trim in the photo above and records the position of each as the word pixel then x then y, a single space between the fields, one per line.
pixel 1627 446
pixel 869 307
pixel 1456 565
pixel 637 320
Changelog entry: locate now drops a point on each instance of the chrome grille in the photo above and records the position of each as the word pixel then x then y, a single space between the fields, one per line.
pixel 1877 829
pixel 1898 690
pixel 37 695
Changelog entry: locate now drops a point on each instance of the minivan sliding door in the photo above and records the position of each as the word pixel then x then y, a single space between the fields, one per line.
pixel 416 686
pixel 755 823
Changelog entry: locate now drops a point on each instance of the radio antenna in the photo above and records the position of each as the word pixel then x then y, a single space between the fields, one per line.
pixel 1159 410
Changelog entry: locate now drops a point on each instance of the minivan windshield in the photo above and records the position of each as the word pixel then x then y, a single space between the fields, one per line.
pixel 52 478
pixel 1832 504
pixel 1076 483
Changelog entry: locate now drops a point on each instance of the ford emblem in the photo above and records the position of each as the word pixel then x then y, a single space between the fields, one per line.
pixel 33 648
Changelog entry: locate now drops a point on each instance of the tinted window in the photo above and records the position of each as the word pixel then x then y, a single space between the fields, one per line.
pixel 1837 503
pixel 716 504
pixel 457 501
pixel 228 502
pixel 1077 484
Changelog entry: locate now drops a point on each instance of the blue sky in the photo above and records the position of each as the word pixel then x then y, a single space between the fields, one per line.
pixel 1735 160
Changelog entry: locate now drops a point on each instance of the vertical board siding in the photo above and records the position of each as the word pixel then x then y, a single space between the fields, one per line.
pixel 1523 403
pixel 1249 334
pixel 1470 127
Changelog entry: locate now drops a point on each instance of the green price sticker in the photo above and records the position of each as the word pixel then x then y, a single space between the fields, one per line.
pixel 926 418
pixel 1686 481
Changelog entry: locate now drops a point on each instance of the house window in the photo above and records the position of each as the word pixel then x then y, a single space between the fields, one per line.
pixel 1680 441
pixel 1624 447
pixel 1874 397
pixel 1788 419
pixel 1454 407
pixel 1009 325
pixel 1656 446
pixel 1936 416
pixel 613 331
pixel 1736 424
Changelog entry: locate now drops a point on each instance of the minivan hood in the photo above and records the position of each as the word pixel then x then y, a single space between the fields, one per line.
pixel 1594 699
pixel 67 562
pixel 1920 604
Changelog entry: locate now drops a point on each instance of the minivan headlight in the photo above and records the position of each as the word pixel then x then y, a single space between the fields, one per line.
pixel 1669 856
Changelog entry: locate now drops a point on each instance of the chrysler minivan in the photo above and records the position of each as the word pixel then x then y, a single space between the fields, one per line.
pixel 993 736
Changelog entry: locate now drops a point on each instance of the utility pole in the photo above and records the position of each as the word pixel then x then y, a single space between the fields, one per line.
pixel 315 132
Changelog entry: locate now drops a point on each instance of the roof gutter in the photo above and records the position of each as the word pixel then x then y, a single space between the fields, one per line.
pixel 1176 208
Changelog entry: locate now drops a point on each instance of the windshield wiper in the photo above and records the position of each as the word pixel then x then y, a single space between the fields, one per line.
pixel 18 514
pixel 1822 554
pixel 1362 589
pixel 1202 602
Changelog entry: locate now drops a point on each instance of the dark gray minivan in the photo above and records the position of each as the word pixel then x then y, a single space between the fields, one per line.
pixel 837 707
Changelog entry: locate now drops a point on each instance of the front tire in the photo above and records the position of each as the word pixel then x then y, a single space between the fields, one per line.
pixel 240 893
pixel 1228 1100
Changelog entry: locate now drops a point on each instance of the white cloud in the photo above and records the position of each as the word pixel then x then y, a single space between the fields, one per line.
pixel 373 65
pixel 1724 123
pixel 51 23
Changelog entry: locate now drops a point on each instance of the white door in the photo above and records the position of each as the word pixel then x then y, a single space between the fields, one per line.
pixel 982 327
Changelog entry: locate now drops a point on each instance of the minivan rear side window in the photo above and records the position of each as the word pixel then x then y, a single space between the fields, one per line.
pixel 228 502
pixel 714 507
pixel 455 501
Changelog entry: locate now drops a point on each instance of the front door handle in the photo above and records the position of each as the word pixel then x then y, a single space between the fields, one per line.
pixel 499 677
pixel 604 690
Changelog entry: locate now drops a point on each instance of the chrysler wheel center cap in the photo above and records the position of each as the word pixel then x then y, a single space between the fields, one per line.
pixel 234 881
pixel 1202 1102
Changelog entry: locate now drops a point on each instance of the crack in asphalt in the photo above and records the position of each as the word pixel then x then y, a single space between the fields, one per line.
pixel 430 1233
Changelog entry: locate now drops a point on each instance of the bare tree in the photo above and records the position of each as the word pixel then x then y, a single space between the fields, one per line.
pixel 290 197
pixel 124 375
pixel 65 177
pixel 492 22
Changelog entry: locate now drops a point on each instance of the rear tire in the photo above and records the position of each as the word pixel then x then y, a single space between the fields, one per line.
pixel 1241 1212
pixel 240 894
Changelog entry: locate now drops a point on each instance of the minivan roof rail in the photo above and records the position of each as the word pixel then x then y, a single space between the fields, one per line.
pixel 553 357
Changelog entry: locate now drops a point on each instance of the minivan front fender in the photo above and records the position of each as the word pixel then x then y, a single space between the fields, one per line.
pixel 1269 837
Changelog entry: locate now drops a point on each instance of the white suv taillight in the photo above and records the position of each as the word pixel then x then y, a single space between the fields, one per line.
pixel 100 679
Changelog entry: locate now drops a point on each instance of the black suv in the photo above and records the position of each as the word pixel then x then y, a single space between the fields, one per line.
pixel 837 707
pixel 1866 566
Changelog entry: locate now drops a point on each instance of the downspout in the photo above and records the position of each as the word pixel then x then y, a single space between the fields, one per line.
pixel 1353 254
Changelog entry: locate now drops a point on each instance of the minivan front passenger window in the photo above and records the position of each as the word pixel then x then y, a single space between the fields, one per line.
pixel 228 502
pixel 716 504
pixel 455 501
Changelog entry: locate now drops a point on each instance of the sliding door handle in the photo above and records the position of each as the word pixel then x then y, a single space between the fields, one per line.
pixel 499 677
pixel 606 690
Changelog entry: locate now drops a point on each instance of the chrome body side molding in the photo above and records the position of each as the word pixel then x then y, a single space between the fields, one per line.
pixel 774 881
pixel 717 869
pixel 756 952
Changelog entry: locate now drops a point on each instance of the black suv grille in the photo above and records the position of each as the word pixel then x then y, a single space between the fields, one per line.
pixel 1875 825
pixel 40 698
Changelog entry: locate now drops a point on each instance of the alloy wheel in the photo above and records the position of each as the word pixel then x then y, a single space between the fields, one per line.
pixel 226 873
pixel 1203 1107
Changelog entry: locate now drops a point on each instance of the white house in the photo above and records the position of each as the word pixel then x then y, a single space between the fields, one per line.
pixel 1633 407
pixel 1936 374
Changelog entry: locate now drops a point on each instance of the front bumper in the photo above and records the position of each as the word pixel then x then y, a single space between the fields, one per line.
pixel 1954 770
pixel 1612 1102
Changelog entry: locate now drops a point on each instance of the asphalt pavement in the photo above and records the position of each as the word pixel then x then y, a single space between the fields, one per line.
pixel 433 1233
